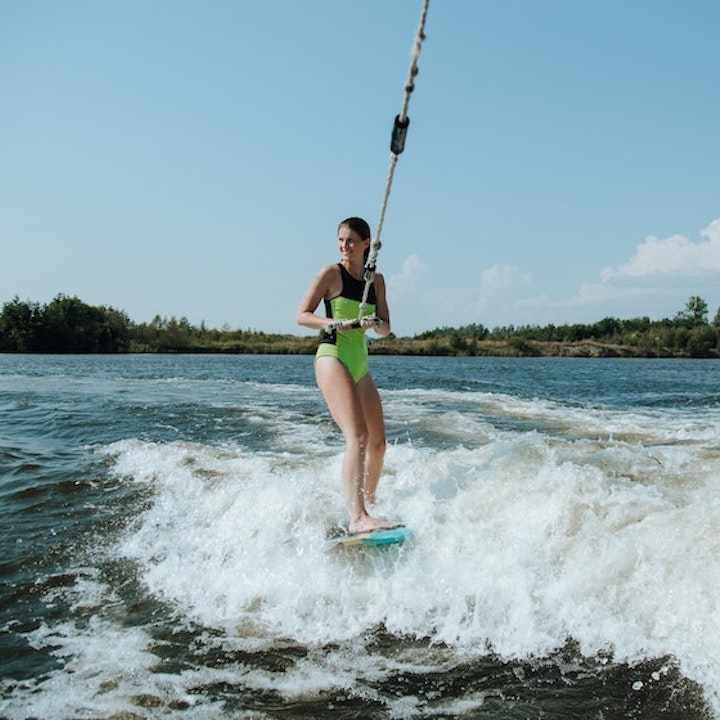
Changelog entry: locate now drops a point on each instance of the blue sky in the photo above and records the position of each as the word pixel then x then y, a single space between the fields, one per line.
pixel 188 158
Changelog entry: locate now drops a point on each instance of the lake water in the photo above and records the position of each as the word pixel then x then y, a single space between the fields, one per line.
pixel 165 524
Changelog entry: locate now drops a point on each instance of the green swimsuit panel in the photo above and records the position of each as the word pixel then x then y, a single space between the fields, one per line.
pixel 348 346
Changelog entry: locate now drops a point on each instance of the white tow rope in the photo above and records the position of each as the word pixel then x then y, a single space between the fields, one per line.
pixel 397 145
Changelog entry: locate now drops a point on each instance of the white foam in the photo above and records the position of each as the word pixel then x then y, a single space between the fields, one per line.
pixel 521 542
pixel 108 669
pixel 523 539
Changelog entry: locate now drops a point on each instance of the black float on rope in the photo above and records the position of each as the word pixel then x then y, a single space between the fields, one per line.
pixel 399 133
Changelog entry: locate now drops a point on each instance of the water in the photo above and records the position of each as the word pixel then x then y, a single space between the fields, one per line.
pixel 165 526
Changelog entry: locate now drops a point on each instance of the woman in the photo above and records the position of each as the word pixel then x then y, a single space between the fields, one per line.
pixel 341 366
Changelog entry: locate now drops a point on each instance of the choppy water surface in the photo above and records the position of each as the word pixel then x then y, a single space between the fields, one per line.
pixel 165 527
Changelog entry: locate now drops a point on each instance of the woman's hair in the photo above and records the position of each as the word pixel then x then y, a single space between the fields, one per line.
pixel 359 226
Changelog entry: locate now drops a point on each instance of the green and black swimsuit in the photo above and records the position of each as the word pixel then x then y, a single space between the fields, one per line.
pixel 348 346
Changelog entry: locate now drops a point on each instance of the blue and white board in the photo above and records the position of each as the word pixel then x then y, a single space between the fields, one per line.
pixel 391 536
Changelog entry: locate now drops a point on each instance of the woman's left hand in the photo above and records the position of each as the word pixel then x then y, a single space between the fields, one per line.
pixel 371 321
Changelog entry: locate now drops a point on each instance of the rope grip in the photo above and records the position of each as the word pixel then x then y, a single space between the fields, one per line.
pixel 399 133
pixel 333 326
pixel 352 324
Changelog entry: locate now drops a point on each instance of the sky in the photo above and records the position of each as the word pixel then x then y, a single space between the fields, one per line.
pixel 192 158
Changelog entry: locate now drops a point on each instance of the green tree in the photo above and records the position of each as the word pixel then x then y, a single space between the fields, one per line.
pixel 71 326
pixel 702 342
pixel 608 328
pixel 695 312
pixel 19 324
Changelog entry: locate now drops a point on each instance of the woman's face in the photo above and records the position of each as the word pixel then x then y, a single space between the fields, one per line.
pixel 352 247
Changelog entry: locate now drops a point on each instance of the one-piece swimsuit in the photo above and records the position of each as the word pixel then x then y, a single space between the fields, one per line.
pixel 348 346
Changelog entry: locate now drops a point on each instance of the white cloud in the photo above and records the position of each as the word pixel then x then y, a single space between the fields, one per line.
pixel 499 278
pixel 676 255
pixel 652 280
pixel 496 282
pixel 655 281
pixel 405 281
pixel 417 306
pixel 601 293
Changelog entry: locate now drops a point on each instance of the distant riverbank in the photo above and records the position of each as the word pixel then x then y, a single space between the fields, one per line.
pixel 438 347
pixel 68 325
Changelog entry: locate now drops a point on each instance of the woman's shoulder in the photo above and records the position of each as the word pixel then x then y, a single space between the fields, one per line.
pixel 328 279
pixel 329 271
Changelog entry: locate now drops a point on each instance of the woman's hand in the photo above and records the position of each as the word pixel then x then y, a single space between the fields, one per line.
pixel 371 321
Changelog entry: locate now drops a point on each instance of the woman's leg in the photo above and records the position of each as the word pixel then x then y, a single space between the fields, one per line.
pixel 340 394
pixel 376 444
pixel 345 405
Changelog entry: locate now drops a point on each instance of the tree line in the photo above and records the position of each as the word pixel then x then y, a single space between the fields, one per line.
pixel 65 325
pixel 68 325
pixel 688 334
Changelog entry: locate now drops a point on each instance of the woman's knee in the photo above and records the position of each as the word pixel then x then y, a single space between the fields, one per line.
pixel 357 436
pixel 377 444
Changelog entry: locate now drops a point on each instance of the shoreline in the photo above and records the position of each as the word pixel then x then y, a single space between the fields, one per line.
pixel 409 347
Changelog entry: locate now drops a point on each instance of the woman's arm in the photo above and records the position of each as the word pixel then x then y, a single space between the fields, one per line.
pixel 320 288
pixel 381 307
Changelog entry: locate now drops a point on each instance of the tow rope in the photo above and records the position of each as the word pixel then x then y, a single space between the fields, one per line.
pixel 397 145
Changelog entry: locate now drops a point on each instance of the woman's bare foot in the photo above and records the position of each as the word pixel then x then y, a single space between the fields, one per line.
pixel 366 523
